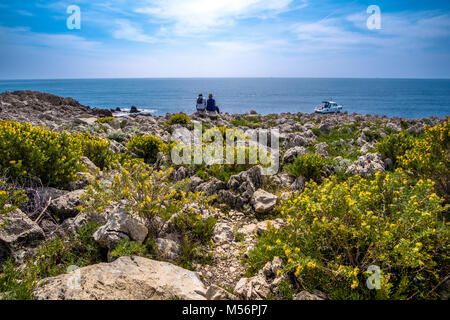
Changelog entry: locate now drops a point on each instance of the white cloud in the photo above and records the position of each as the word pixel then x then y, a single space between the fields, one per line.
pixel 197 16
pixel 129 32
pixel 23 35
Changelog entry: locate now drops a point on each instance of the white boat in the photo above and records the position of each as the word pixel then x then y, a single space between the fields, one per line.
pixel 329 107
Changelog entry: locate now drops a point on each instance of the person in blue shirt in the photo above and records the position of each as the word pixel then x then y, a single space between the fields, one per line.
pixel 211 104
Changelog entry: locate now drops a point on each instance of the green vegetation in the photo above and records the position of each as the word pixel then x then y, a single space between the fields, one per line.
pixel 146 147
pixel 308 165
pixel 179 118
pixel 118 136
pixel 248 121
pixel 337 230
pixel 105 120
pixel 52 258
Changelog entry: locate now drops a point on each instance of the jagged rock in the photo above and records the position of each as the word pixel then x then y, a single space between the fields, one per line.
pixel 321 149
pixel 211 187
pixel 180 174
pixel 168 248
pixel 246 182
pixel 366 165
pixel 134 109
pixel 120 224
pixel 223 233
pixel 305 295
pixel 262 226
pixel 264 201
pixel 194 182
pixel 67 205
pixel 295 140
pixel 261 285
pixel 216 293
pixel 127 278
pixel 292 153
pixel 393 126
pixel 298 184
pixel 17 234
pixel 89 164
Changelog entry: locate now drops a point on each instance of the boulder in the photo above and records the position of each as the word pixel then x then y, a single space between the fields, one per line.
pixel 90 166
pixel 67 205
pixel 264 201
pixel 127 278
pixel 295 140
pixel 367 165
pixel 298 184
pixel 17 234
pixel 120 225
pixel 292 153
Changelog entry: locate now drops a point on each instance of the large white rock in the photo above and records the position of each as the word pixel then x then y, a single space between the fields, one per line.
pixel 264 201
pixel 127 278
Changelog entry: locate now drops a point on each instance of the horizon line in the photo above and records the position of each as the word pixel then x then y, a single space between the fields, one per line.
pixel 198 78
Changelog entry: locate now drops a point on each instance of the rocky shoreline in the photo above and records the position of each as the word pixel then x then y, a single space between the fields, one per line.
pixel 243 208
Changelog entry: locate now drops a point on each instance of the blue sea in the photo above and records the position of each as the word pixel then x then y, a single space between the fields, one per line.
pixel 409 98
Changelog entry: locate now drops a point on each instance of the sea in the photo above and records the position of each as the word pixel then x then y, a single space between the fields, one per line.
pixel 407 98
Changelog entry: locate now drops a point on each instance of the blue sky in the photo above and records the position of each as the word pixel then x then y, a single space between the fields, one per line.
pixel 224 38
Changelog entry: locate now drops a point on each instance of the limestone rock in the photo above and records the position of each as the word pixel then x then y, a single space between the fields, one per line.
pixel 264 201
pixel 66 205
pixel 18 233
pixel 168 248
pixel 120 224
pixel 292 153
pixel 127 278
pixel 367 165
pixel 216 293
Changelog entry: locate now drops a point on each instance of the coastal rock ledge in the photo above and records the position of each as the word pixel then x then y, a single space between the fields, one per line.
pixel 127 278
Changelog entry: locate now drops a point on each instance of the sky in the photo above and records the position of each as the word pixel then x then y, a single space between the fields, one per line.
pixel 225 38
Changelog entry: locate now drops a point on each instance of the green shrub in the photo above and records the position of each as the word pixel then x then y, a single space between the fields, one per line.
pixel 51 156
pixel 146 147
pixel 105 120
pixel 428 158
pixel 394 146
pixel 95 148
pixel 9 200
pixel 336 231
pixel 308 165
pixel 179 118
pixel 118 136
pixel 129 248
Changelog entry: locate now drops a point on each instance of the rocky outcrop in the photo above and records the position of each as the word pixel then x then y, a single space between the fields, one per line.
pixel 127 278
pixel 367 165
pixel 120 225
pixel 18 233
pixel 247 182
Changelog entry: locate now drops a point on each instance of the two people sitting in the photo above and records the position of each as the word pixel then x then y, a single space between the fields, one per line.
pixel 207 105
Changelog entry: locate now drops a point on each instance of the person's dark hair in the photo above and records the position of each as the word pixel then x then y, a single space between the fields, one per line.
pixel 210 95
pixel 200 95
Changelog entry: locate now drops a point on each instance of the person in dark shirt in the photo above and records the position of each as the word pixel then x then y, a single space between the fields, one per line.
pixel 211 104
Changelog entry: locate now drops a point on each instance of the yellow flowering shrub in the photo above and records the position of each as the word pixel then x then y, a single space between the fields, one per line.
pixel 146 147
pixel 52 156
pixel 105 120
pixel 337 231
pixel 179 118
pixel 395 146
pixel 429 158
pixel 93 147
